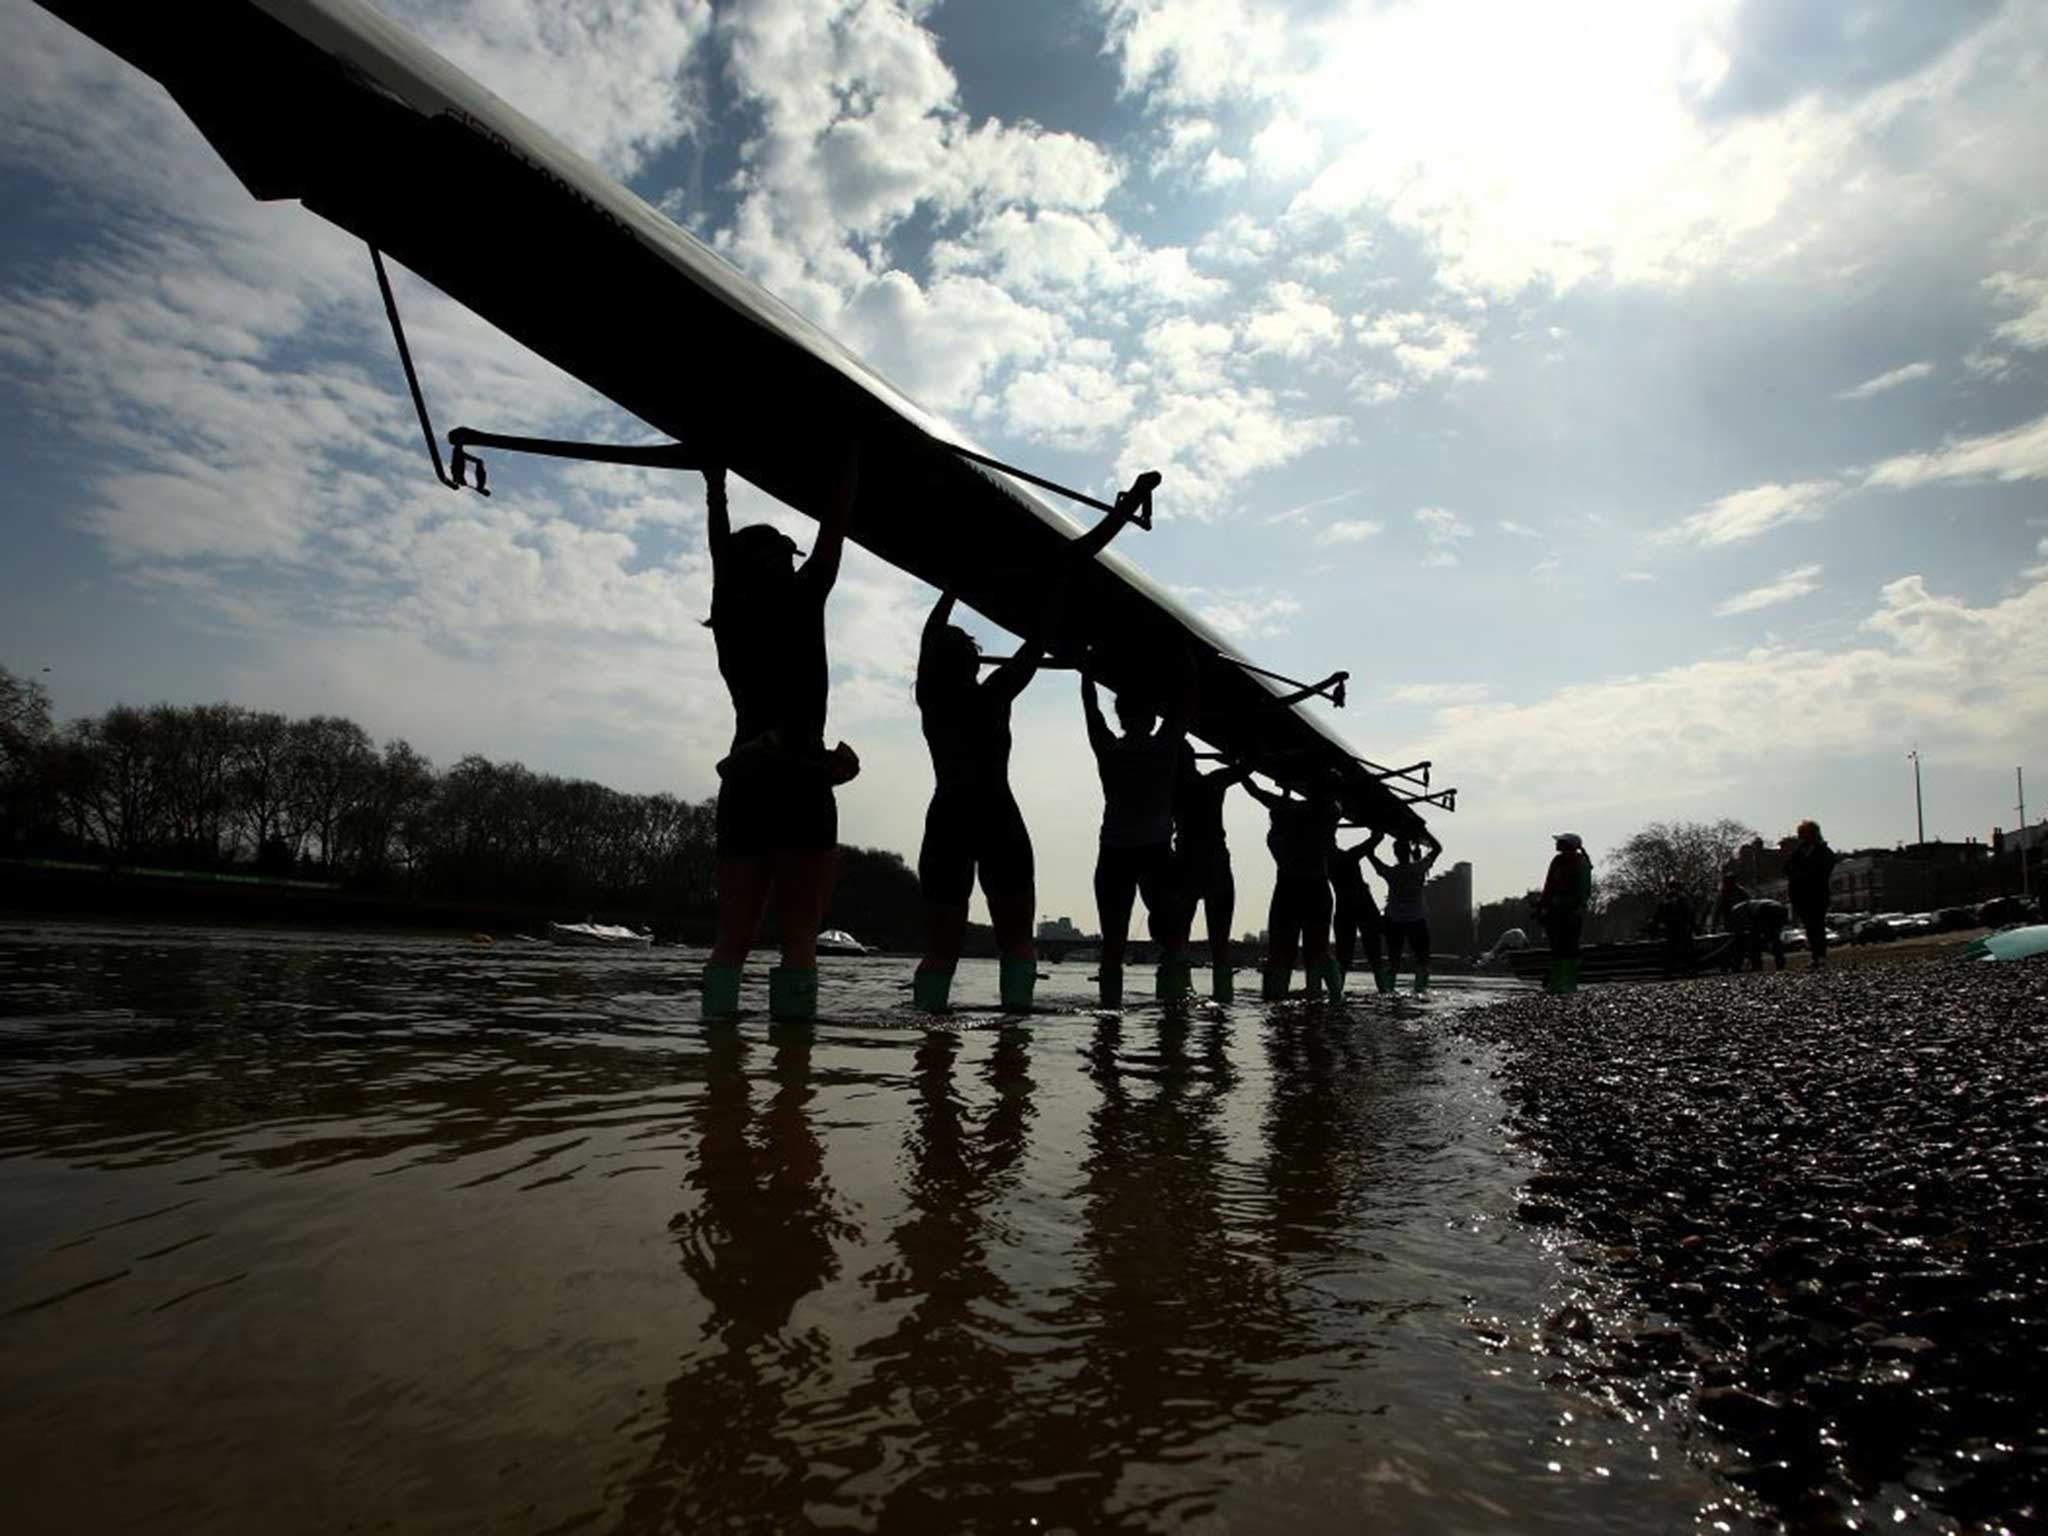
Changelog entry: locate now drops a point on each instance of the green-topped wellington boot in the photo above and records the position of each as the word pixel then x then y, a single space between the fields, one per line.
pixel 1383 977
pixel 1422 978
pixel 1222 984
pixel 1273 982
pixel 718 991
pixel 793 992
pixel 1110 984
pixel 1569 980
pixel 1335 971
pixel 930 990
pixel 1314 978
pixel 1019 981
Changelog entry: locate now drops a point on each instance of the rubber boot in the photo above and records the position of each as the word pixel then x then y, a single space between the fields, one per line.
pixel 718 991
pixel 1421 978
pixel 1383 977
pixel 1111 982
pixel 1019 981
pixel 1569 982
pixel 1313 978
pixel 929 990
pixel 1273 983
pixel 793 992
pixel 1222 984
pixel 1335 972
pixel 1172 982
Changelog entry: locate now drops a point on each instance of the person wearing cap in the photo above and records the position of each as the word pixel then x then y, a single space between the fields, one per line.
pixel 973 825
pixel 1808 869
pixel 1407 912
pixel 778 821
pixel 1567 892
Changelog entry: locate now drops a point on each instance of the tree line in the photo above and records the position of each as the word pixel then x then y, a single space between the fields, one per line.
pixel 221 788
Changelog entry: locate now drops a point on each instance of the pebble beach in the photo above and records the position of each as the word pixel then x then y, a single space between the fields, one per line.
pixel 1821 1197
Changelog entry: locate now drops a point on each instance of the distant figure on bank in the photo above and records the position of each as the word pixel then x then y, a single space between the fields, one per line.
pixel 1674 921
pixel 1135 857
pixel 1298 836
pixel 1202 852
pixel 1808 869
pixel 778 823
pixel 973 824
pixel 1407 915
pixel 1731 895
pixel 1356 919
pixel 1755 925
pixel 1567 892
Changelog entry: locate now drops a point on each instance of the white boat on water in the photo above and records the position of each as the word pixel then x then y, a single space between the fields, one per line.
pixel 599 935
pixel 837 941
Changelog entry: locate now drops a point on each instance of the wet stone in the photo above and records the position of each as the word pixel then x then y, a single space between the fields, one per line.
pixel 1829 1191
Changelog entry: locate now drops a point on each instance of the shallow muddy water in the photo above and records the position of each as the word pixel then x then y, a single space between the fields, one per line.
pixel 309 1232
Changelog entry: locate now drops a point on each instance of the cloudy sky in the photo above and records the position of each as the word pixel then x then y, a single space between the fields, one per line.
pixel 1643 401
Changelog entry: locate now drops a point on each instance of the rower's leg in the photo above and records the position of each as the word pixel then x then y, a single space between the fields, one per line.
pixel 1221 904
pixel 744 885
pixel 1009 913
pixel 1116 889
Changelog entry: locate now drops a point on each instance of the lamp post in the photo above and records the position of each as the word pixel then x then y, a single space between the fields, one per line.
pixel 1919 815
pixel 2019 779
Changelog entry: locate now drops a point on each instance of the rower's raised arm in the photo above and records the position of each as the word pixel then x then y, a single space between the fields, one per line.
pixel 823 566
pixel 717 516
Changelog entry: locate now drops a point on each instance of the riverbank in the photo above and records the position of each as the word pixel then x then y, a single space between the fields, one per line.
pixel 1827 1195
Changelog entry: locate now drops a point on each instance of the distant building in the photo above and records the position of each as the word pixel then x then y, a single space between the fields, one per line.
pixel 1059 928
pixel 1919 877
pixel 1448 901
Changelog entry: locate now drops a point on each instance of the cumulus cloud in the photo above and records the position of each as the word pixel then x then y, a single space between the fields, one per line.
pixel 1507 162
pixel 1923 666
pixel 1444 532
pixel 1748 514
pixel 1207 444
pixel 1423 348
pixel 1352 530
pixel 1783 589
pixel 1074 405
pixel 611 80
pixel 1437 695
pixel 1248 613
pixel 2019 453
pixel 1294 324
pixel 1907 374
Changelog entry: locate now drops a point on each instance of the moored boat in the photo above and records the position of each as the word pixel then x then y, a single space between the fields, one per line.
pixel 837 941
pixel 599 935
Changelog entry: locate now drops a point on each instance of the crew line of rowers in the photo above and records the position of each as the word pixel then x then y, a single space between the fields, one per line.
pixel 1162 824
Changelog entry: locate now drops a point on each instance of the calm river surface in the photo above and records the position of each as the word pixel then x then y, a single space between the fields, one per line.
pixel 311 1232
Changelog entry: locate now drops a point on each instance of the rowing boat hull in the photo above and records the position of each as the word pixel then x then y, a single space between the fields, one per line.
pixel 331 103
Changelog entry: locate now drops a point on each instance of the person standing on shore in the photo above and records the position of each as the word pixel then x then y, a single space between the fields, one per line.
pixel 1407 914
pixel 1567 892
pixel 973 824
pixel 778 822
pixel 1298 836
pixel 1674 922
pixel 1202 851
pixel 1807 870
pixel 1356 920
pixel 1732 895
pixel 1138 767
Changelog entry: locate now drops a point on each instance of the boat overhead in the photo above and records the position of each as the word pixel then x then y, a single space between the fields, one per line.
pixel 333 103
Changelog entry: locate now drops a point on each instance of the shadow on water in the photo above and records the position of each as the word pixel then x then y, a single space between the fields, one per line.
pixel 530 1247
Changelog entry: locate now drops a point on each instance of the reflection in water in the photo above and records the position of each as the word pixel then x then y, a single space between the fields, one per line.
pixel 520 1244
pixel 761 1237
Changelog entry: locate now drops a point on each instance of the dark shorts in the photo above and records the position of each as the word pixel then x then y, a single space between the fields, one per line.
pixel 1150 871
pixel 774 811
pixel 966 833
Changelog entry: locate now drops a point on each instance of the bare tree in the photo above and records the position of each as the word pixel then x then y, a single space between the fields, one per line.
pixel 1693 853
